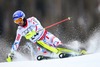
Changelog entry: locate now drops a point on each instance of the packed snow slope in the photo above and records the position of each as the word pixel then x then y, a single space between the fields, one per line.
pixel 91 60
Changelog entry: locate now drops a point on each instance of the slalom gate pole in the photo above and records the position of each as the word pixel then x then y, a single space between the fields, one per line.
pixel 67 19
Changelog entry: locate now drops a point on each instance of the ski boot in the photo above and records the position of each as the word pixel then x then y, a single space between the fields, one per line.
pixel 64 55
pixel 41 57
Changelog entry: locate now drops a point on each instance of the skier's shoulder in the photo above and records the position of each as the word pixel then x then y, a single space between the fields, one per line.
pixel 19 28
pixel 31 18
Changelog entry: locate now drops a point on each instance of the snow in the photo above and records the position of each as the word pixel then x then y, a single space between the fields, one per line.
pixel 91 60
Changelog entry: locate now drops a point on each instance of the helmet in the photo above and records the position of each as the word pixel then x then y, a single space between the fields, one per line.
pixel 18 14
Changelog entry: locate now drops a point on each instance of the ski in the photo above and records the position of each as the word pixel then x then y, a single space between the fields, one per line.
pixel 62 52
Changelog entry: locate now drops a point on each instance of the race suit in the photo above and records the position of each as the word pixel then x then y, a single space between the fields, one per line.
pixel 33 31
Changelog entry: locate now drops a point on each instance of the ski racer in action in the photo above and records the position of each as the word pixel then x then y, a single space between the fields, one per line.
pixel 32 30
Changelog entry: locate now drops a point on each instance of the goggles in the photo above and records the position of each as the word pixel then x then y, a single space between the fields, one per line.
pixel 17 21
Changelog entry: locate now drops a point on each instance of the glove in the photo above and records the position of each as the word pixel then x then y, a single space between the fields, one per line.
pixel 83 52
pixel 10 57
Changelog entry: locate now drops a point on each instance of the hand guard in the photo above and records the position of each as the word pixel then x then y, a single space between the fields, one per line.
pixel 83 52
pixel 10 57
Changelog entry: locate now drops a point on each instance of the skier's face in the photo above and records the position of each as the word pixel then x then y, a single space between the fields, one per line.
pixel 19 21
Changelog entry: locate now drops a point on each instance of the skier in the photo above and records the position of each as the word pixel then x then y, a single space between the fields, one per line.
pixel 32 30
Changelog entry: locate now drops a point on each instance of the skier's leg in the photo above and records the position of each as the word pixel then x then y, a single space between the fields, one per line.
pixel 42 50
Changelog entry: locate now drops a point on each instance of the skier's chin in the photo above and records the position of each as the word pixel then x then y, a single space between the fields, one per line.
pixel 20 24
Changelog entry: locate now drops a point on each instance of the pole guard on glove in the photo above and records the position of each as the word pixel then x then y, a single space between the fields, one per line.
pixel 10 57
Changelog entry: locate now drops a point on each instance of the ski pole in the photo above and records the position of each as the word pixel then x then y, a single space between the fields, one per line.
pixel 67 19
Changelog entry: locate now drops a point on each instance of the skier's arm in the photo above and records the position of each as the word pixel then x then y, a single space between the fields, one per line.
pixel 14 47
pixel 16 42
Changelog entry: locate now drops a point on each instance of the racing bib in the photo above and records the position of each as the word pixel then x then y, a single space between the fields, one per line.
pixel 30 34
